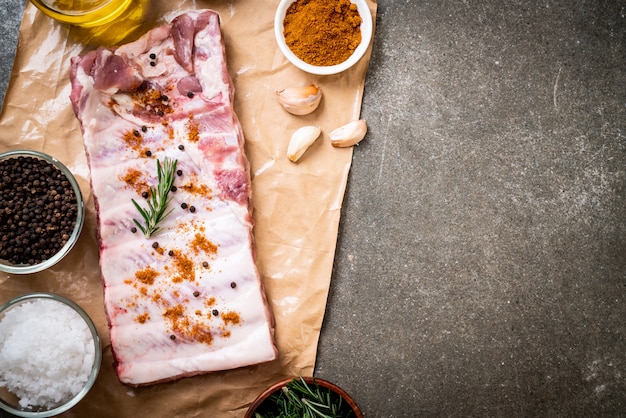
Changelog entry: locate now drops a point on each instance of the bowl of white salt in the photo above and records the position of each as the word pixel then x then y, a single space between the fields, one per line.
pixel 50 355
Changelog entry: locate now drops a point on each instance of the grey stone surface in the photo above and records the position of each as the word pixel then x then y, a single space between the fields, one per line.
pixel 481 261
pixel 10 18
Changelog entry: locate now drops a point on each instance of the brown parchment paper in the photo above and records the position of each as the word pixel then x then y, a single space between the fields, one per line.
pixel 296 206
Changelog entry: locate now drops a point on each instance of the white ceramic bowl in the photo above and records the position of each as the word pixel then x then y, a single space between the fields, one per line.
pixel 366 36
pixel 10 267
pixel 9 402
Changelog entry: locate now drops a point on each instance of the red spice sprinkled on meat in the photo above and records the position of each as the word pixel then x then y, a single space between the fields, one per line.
pixel 151 101
pixel 133 141
pixel 184 328
pixel 200 242
pixel 198 189
pixel 175 315
pixel 185 268
pixel 147 275
pixel 169 130
pixel 142 318
pixel 202 333
pixel 135 179
pixel 192 126
pixel 231 317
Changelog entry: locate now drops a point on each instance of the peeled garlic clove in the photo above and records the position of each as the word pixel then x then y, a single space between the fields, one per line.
pixel 301 140
pixel 300 100
pixel 349 134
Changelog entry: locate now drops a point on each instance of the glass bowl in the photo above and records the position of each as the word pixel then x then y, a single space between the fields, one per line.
pixel 85 13
pixel 366 36
pixel 24 268
pixel 9 402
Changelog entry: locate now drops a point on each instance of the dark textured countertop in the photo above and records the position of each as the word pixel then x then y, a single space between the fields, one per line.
pixel 481 262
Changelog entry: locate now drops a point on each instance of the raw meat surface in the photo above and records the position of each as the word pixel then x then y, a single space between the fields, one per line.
pixel 188 300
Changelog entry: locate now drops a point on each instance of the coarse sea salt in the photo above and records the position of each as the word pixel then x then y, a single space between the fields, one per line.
pixel 46 353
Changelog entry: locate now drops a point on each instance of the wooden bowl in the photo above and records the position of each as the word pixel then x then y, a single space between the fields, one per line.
pixel 269 391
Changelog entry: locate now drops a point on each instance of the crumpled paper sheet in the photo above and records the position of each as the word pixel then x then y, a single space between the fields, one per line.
pixel 296 206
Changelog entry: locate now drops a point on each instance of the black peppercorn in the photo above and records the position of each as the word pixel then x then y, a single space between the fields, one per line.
pixel 233 285
pixel 196 293
pixel 136 132
pixel 215 312
pixel 170 253
pixel 183 205
pixel 172 337
pixel 179 172
pixel 205 264
pixel 153 56
pixel 190 94
pixel 155 245
pixel 148 153
pixel 38 210
pixel 181 147
pixel 192 209
pixel 173 188
pixel 144 129
pixel 152 63
pixel 145 195
pixel 133 230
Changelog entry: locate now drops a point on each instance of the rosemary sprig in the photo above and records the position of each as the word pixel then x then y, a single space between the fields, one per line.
pixel 158 199
pixel 301 400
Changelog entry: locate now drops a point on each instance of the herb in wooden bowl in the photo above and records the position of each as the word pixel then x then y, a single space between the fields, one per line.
pixel 304 397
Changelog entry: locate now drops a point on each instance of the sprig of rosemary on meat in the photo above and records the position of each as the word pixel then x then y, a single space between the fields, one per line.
pixel 158 199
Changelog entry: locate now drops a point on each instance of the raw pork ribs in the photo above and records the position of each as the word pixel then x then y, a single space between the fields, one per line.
pixel 189 299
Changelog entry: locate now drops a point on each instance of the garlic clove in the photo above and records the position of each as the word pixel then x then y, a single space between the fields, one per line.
pixel 349 134
pixel 300 100
pixel 301 140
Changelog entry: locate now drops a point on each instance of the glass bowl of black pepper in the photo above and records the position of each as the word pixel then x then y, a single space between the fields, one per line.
pixel 41 211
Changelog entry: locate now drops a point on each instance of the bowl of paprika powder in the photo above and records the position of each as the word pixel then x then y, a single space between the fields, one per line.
pixel 323 37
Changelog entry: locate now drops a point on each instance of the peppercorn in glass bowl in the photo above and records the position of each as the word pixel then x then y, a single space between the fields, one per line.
pixel 50 355
pixel 41 211
pixel 321 37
